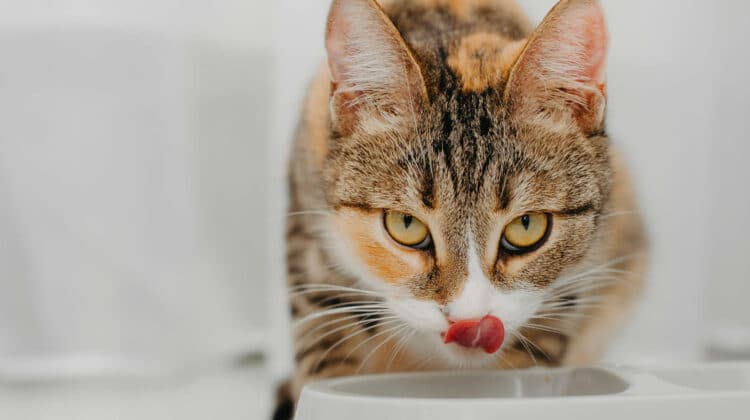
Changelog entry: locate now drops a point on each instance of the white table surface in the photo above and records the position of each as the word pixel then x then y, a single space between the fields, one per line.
pixel 216 394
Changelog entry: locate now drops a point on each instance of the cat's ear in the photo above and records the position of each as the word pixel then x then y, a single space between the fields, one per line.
pixel 559 74
pixel 375 79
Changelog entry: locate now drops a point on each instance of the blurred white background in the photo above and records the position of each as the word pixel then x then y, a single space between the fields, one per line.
pixel 142 161
pixel 133 183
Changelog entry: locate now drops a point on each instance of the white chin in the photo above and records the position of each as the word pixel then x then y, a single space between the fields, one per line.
pixel 439 355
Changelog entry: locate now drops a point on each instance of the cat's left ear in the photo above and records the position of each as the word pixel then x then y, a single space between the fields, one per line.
pixel 376 81
pixel 559 75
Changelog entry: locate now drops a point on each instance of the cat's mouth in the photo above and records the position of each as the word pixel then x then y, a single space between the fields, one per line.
pixel 487 333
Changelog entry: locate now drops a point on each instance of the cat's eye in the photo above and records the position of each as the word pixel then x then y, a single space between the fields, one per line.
pixel 526 233
pixel 407 230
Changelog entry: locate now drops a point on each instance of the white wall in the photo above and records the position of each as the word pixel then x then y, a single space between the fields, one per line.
pixel 727 244
pixel 133 183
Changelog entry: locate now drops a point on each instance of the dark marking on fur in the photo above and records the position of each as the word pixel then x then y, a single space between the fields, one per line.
pixel 369 322
pixel 284 403
pixel 295 269
pixel 284 410
pixel 331 362
pixel 569 301
pixel 447 124
pixel 428 189
pixel 324 301
pixel 294 229
pixel 485 124
pixel 504 192
pixel 321 345
pixel 444 148
pixel 577 211
pixel 353 205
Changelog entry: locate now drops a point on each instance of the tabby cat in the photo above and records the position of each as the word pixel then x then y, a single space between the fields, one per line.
pixel 455 200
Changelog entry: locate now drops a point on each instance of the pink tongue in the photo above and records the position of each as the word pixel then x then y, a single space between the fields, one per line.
pixel 487 333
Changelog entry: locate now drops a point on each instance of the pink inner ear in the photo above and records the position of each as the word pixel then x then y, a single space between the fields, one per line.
pixel 571 46
pixel 562 70
pixel 336 46
pixel 595 46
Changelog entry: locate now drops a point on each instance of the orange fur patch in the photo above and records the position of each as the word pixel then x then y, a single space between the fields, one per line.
pixel 483 60
pixel 366 237
pixel 465 9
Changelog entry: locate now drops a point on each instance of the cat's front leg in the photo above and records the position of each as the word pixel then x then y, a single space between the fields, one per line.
pixel 342 345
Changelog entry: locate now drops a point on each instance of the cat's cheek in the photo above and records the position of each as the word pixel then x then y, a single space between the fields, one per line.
pixel 422 315
pixel 361 234
pixel 513 267
pixel 515 308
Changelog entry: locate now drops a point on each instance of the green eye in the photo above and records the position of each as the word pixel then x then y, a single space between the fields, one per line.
pixel 407 230
pixel 526 233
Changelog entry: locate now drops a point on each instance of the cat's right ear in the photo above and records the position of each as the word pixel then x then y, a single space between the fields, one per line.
pixel 375 80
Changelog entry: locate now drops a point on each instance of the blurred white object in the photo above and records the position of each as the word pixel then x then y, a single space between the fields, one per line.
pixel 133 179
pixel 691 393
pixel 729 343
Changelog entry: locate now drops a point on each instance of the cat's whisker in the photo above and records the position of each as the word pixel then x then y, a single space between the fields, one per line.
pixel 582 284
pixel 562 322
pixel 544 328
pixel 336 321
pixel 352 304
pixel 522 340
pixel 374 336
pixel 566 303
pixel 347 338
pixel 578 294
pixel 305 286
pixel 599 267
pixel 423 362
pixel 323 296
pixel 536 346
pixel 581 292
pixel 561 311
pixel 402 343
pixel 368 309
pixel 505 360
pixel 571 317
pixel 351 325
pixel 619 213
pixel 318 288
pixel 563 302
pixel 588 279
pixel 310 213
pixel 394 332
pixel 336 266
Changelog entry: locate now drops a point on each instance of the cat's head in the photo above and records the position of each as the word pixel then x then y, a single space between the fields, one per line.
pixel 466 172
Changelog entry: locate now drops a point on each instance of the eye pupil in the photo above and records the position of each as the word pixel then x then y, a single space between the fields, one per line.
pixel 526 233
pixel 525 221
pixel 407 230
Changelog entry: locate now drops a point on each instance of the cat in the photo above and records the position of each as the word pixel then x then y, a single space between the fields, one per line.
pixel 455 201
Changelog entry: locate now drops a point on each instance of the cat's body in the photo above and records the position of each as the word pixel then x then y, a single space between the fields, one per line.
pixel 442 115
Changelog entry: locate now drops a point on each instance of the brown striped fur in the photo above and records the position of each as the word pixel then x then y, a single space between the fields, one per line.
pixel 460 133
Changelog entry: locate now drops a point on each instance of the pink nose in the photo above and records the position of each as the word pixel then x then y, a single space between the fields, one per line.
pixel 487 333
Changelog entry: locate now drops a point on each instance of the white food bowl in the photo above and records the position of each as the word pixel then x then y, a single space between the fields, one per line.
pixel 613 393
